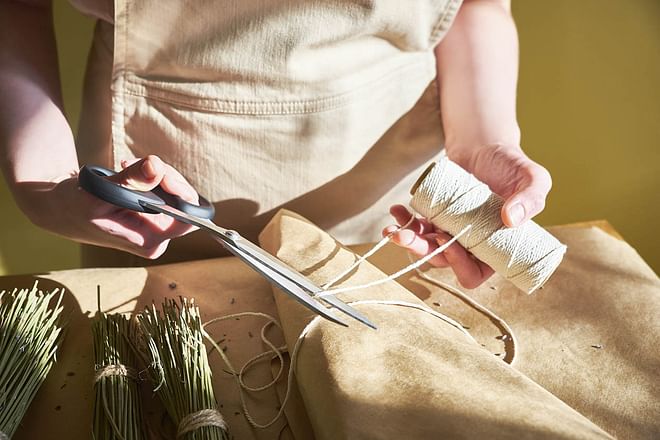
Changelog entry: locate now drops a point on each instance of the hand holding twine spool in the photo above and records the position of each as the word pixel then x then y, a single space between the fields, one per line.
pixel 451 199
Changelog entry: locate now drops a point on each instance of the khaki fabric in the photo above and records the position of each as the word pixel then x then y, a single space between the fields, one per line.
pixel 416 377
pixel 269 104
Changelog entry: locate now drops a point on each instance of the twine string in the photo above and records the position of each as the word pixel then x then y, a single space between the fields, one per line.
pixel 397 274
pixel 508 337
pixel 115 370
pixel 278 352
pixel 273 351
pixel 456 202
pixel 200 419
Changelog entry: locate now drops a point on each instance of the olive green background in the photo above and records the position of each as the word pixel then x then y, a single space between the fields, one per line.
pixel 589 109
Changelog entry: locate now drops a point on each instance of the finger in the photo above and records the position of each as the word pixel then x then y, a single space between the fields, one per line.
pixel 127 232
pixel 145 174
pixel 137 233
pixel 420 245
pixel 529 198
pixel 126 163
pixel 142 175
pixel 165 226
pixel 469 272
pixel 174 183
pixel 402 216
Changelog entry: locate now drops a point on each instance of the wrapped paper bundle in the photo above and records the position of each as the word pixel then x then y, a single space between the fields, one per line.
pixel 417 377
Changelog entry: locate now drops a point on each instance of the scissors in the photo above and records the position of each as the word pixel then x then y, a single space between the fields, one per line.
pixel 93 180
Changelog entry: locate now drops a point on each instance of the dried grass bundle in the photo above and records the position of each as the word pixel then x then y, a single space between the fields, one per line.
pixel 30 334
pixel 117 410
pixel 173 348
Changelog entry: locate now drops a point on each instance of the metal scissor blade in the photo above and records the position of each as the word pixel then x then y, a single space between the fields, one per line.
pixel 300 279
pixel 227 239
pixel 285 284
pixel 350 311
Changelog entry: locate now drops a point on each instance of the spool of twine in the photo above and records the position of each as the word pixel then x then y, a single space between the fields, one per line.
pixel 451 198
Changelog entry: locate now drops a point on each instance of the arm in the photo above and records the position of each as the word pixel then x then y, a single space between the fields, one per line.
pixel 477 65
pixel 37 149
pixel 477 75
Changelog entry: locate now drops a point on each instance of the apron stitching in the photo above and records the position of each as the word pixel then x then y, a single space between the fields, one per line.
pixel 451 6
pixel 143 89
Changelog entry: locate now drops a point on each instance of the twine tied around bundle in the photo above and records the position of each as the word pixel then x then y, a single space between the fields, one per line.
pixel 200 419
pixel 115 370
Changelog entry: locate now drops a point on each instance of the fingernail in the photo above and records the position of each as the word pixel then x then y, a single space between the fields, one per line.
pixel 148 170
pixel 406 237
pixel 516 214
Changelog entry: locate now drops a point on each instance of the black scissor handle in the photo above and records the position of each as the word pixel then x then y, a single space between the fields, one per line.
pixel 93 180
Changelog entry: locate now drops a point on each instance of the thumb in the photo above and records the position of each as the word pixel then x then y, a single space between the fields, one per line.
pixel 529 199
pixel 142 175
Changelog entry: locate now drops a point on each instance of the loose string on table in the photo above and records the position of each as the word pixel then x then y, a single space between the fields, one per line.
pixel 273 351
pixel 278 352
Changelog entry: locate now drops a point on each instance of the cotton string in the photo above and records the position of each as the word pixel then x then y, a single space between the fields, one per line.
pixel 278 352
pixel 392 277
pixel 199 419
pixel 509 337
pixel 451 198
pixel 274 352
pixel 526 255
pixel 115 370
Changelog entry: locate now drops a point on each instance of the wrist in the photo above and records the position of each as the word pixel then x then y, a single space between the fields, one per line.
pixel 44 203
pixel 466 154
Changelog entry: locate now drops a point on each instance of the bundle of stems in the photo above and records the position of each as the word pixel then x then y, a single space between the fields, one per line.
pixel 30 334
pixel 173 348
pixel 117 411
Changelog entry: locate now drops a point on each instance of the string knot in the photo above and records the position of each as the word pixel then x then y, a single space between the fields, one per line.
pixel 113 370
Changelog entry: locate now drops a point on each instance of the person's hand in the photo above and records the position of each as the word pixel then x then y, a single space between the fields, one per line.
pixel 67 210
pixel 523 184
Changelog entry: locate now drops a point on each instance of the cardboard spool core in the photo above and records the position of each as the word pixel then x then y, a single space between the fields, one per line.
pixel 421 178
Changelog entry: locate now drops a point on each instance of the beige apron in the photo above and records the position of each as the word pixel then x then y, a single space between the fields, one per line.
pixel 327 108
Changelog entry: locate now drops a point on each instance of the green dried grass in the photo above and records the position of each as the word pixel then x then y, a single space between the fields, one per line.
pixel 117 409
pixel 30 333
pixel 173 347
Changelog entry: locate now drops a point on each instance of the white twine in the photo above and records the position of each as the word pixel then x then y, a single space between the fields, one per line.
pixel 278 352
pixel 388 278
pixel 451 198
